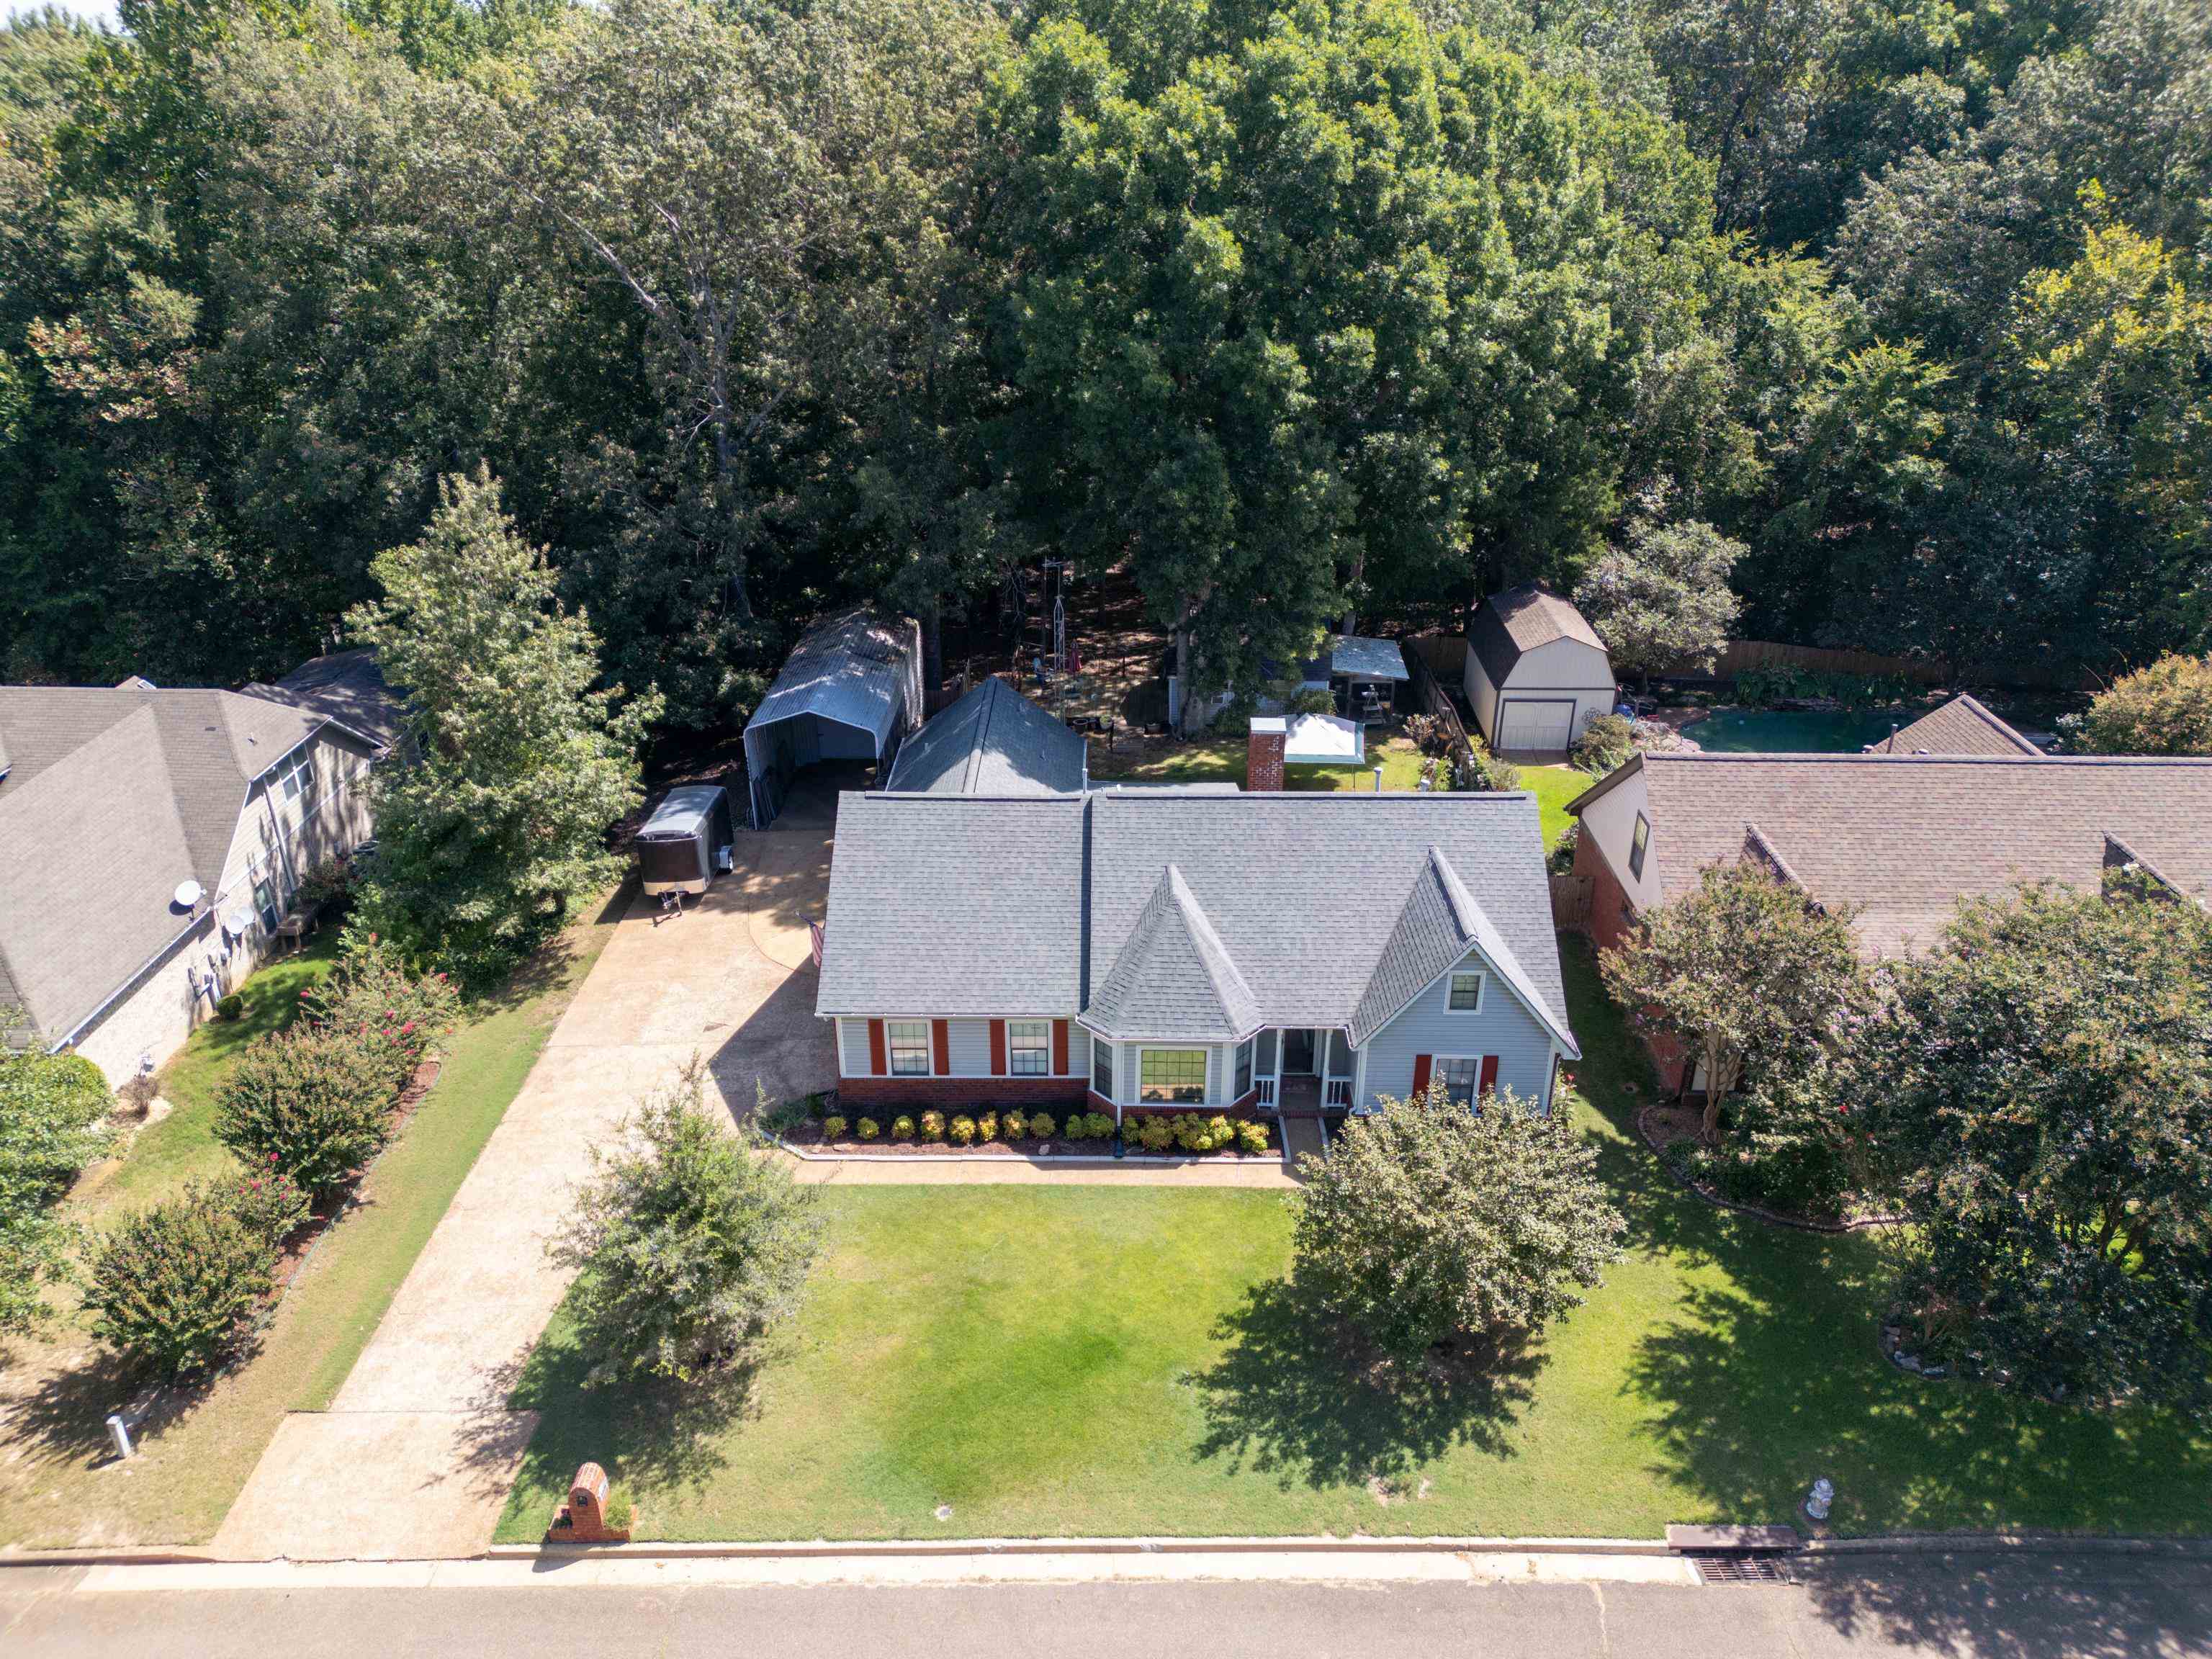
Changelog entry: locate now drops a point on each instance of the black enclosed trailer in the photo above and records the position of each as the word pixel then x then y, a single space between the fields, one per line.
pixel 686 842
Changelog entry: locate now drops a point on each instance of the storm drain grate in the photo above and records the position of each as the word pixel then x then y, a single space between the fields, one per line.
pixel 1742 1569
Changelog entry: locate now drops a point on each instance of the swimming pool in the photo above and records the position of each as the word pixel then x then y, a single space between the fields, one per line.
pixel 1783 731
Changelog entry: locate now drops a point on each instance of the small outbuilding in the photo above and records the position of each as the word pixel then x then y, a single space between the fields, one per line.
pixel 687 842
pixel 851 691
pixel 1536 671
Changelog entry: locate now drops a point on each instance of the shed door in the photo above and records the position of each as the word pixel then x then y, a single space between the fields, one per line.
pixel 1535 723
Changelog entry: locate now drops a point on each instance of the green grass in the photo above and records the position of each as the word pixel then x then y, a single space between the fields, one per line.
pixel 54 1490
pixel 1091 1360
pixel 1553 786
pixel 182 1147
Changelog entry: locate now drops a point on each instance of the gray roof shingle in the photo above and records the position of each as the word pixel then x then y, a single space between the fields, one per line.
pixel 1961 727
pixel 992 741
pixel 1902 838
pixel 1366 658
pixel 345 686
pixel 1508 626
pixel 967 905
pixel 1174 977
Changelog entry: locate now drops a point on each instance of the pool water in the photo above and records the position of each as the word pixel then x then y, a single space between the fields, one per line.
pixel 1780 732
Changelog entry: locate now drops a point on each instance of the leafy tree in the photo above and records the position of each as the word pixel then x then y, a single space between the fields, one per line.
pixel 520 766
pixel 1745 971
pixel 53 1121
pixel 1662 601
pixel 691 1245
pixel 2040 1091
pixel 1428 1221
pixel 314 1105
pixel 181 1288
pixel 2163 710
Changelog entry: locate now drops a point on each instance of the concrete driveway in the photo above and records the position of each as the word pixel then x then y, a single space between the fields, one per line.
pixel 415 1457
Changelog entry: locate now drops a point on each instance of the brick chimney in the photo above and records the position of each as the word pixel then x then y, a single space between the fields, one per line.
pixel 1263 755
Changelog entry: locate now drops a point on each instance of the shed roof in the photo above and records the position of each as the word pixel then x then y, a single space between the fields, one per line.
pixel 1366 659
pixel 992 741
pixel 1961 727
pixel 968 905
pixel 852 668
pixel 116 796
pixel 1901 838
pixel 1511 624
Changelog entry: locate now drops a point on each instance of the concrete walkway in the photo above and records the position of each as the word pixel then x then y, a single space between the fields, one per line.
pixel 417 1454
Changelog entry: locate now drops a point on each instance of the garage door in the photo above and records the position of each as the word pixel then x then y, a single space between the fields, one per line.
pixel 1526 723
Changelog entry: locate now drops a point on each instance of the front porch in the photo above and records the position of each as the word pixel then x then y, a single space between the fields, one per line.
pixel 1303 1071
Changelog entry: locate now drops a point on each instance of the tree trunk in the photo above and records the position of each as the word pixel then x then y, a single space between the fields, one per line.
pixel 932 647
pixel 1182 678
pixel 726 488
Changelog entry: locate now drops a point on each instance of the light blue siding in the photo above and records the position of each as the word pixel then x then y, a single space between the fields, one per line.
pixel 853 1048
pixel 1428 1026
pixel 968 1046
pixel 1078 1049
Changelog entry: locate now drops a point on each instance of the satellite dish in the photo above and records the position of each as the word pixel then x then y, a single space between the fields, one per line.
pixel 186 895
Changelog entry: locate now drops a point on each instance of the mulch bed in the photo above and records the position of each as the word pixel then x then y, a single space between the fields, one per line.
pixel 808 1138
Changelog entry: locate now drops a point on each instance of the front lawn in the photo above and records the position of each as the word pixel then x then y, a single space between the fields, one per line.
pixel 56 1487
pixel 1051 1361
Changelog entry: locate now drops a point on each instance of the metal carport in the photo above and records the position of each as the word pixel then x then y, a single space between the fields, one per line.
pixel 851 689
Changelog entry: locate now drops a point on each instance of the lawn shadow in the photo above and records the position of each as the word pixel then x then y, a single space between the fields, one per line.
pixel 551 960
pixel 62 1417
pixel 2030 1607
pixel 1297 1394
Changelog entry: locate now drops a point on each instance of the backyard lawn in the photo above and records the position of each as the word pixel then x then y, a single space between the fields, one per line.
pixel 56 1487
pixel 1050 1361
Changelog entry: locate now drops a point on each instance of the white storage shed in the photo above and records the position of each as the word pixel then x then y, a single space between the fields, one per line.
pixel 1536 671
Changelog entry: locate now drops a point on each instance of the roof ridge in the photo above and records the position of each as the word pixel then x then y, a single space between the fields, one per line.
pixel 1463 907
pixel 1214 955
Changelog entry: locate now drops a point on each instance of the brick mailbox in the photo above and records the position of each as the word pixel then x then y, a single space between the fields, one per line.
pixel 583 1518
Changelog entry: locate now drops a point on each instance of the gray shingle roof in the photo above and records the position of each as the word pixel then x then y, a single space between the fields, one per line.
pixel 1366 658
pixel 993 741
pixel 1961 727
pixel 1174 977
pixel 1901 838
pixel 857 668
pixel 954 904
pixel 118 795
pixel 1511 624
pixel 345 686
pixel 943 905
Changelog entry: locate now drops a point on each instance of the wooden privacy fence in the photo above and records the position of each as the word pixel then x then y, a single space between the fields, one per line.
pixel 1739 655
pixel 1570 901
pixel 1445 654
pixel 1436 702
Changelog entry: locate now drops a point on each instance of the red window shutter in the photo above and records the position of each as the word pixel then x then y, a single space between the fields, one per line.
pixel 940 1039
pixel 1421 1074
pixel 997 1048
pixel 878 1051
pixel 1488 1084
pixel 1059 1048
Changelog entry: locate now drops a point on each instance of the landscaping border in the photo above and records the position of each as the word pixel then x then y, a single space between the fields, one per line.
pixel 1757 1213
pixel 1104 1159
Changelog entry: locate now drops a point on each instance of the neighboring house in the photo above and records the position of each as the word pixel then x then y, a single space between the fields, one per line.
pixel 850 691
pixel 150 842
pixel 1165 949
pixel 1536 671
pixel 992 741
pixel 1898 839
pixel 345 686
pixel 1961 727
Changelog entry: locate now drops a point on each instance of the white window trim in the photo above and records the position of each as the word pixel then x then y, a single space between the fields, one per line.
pixel 1481 978
pixel 928 1046
pixel 1044 1047
pixel 1205 1083
pixel 1437 1062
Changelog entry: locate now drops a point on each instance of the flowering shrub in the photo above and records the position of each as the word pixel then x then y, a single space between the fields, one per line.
pixel 313 1104
pixel 1041 1127
pixel 1155 1133
pixel 1252 1136
pixel 1013 1125
pixel 962 1131
pixel 987 1126
pixel 371 993
pixel 932 1126
pixel 177 1288
pixel 901 1128
pixel 833 1127
pixel 268 1201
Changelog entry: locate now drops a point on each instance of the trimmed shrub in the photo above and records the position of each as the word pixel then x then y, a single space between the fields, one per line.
pixel 1252 1136
pixel 1014 1125
pixel 230 1006
pixel 867 1128
pixel 314 1105
pixel 1041 1127
pixel 371 993
pixel 1606 742
pixel 180 1287
pixel 270 1203
pixel 987 1126
pixel 961 1131
pixel 833 1127
pixel 1157 1132
pixel 1097 1125
pixel 932 1126
pixel 901 1128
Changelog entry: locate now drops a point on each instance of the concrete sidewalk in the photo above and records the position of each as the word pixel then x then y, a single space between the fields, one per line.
pixel 418 1451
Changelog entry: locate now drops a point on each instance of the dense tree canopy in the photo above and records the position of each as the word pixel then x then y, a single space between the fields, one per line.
pixel 1302 309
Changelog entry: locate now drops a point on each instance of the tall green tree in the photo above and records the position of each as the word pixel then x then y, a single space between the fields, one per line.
pixel 1661 599
pixel 520 761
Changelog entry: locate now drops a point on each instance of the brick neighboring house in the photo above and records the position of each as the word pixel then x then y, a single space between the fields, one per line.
pixel 1164 949
pixel 117 801
pixel 1899 838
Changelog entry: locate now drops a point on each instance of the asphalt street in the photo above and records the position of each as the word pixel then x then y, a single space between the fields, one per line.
pixel 2026 1607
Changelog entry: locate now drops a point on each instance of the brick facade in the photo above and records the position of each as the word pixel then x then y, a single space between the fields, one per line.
pixel 1610 912
pixel 947 1092
pixel 1263 758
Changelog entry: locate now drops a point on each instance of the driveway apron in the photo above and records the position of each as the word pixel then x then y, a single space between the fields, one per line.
pixel 417 1454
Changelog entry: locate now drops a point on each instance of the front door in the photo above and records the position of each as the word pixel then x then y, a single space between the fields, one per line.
pixel 1297 1054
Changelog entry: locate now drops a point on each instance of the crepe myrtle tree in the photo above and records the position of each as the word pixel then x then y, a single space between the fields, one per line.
pixel 1744 970
pixel 2039 1090
pixel 1429 1221
pixel 2163 710
pixel 1661 600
